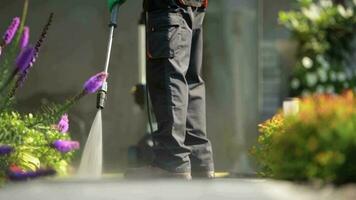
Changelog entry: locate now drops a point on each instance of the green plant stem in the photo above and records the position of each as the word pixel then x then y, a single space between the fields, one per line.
pixel 23 21
pixel 7 82
pixel 12 52
pixel 69 104
pixel 12 93
pixel 6 103
pixel 58 112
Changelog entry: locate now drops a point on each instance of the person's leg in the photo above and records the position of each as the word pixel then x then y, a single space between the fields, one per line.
pixel 196 137
pixel 169 40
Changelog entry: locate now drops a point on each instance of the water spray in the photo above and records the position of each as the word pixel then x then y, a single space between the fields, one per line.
pixel 92 158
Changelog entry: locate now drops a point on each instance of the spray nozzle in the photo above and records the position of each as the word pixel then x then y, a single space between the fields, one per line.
pixel 101 98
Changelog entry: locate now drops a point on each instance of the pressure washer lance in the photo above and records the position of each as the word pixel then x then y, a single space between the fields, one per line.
pixel 114 8
pixel 91 163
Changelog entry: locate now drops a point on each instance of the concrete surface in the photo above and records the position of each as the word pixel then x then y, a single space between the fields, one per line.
pixel 219 189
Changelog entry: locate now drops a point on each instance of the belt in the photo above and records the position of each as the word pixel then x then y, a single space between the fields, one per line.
pixel 195 3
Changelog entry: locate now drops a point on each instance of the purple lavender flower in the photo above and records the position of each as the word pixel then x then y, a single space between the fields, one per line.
pixel 65 146
pixel 15 173
pixel 63 124
pixel 24 59
pixel 39 44
pixel 17 176
pixel 20 175
pixel 5 150
pixel 25 37
pixel 95 82
pixel 10 32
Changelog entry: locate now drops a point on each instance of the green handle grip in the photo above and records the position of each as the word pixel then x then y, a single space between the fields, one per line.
pixel 112 3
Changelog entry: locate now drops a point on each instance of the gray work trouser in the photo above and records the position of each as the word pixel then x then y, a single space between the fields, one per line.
pixel 177 90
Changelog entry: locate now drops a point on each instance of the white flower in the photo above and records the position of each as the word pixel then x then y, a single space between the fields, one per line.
pixel 346 13
pixel 326 3
pixel 323 76
pixel 307 62
pixel 313 12
pixel 320 89
pixel 341 76
pixel 295 23
pixel 332 76
pixel 330 89
pixel 323 62
pixel 312 79
pixel 348 74
pixel 295 83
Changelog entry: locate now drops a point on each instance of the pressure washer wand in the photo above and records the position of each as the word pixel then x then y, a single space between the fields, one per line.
pixel 102 93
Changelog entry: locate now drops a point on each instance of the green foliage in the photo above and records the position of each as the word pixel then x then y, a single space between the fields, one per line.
pixel 317 144
pixel 32 144
pixel 30 136
pixel 263 151
pixel 325 33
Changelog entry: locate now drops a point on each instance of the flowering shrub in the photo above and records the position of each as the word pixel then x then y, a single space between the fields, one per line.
pixel 317 143
pixel 29 147
pixel 325 33
pixel 33 145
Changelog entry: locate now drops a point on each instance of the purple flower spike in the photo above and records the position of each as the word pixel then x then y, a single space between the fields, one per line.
pixel 66 146
pixel 5 150
pixel 63 124
pixel 23 175
pixel 24 59
pixel 25 37
pixel 10 32
pixel 95 82
pixel 17 176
